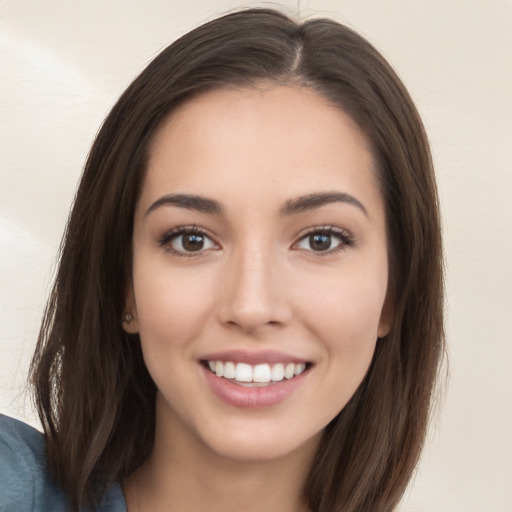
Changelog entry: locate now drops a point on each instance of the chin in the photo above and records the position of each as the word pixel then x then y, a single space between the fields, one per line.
pixel 260 441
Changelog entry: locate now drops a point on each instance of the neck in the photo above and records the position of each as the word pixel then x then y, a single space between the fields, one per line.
pixel 184 475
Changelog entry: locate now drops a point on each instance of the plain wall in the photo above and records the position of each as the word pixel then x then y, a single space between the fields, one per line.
pixel 62 66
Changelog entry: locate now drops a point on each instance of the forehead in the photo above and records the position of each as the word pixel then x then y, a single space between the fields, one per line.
pixel 269 141
pixel 299 109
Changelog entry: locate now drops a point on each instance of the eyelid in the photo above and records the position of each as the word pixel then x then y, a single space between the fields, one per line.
pixel 165 240
pixel 347 239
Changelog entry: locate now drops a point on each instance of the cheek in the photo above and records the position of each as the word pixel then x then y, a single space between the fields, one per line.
pixel 345 313
pixel 345 322
pixel 171 306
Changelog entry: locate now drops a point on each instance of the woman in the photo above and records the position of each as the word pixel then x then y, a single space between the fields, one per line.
pixel 248 309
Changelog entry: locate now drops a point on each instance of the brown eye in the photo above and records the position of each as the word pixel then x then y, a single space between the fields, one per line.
pixel 320 242
pixel 192 242
pixel 326 240
pixel 186 241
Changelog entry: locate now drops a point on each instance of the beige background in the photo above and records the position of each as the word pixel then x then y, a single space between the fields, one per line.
pixel 63 64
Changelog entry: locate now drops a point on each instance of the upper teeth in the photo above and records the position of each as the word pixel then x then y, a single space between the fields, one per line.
pixel 243 372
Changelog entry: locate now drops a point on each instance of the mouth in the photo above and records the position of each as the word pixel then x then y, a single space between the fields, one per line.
pixel 258 375
pixel 255 379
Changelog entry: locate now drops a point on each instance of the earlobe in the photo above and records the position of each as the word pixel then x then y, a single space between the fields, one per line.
pixel 386 317
pixel 384 328
pixel 130 321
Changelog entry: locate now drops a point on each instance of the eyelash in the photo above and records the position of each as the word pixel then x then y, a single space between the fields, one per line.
pixel 166 240
pixel 346 240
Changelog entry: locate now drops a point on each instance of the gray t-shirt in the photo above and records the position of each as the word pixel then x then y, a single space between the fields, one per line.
pixel 25 482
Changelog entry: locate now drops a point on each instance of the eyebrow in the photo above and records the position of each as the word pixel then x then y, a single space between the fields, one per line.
pixel 291 207
pixel 190 202
pixel 311 201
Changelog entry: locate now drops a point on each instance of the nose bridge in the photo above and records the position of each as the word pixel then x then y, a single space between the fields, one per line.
pixel 253 295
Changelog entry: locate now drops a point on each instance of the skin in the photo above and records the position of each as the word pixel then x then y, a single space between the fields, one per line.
pixel 258 284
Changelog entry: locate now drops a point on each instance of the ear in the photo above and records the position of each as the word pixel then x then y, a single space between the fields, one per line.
pixel 387 316
pixel 130 319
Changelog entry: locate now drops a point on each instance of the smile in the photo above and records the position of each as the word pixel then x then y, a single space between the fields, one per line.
pixel 247 374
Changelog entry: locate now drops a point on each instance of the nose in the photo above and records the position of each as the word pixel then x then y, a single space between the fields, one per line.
pixel 253 297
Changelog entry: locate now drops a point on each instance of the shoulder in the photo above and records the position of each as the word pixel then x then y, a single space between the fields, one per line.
pixel 25 483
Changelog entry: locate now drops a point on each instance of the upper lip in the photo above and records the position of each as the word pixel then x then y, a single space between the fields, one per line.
pixel 253 358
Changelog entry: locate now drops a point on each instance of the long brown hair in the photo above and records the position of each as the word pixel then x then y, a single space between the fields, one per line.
pixel 93 392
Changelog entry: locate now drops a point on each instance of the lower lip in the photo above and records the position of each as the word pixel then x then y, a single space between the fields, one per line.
pixel 252 398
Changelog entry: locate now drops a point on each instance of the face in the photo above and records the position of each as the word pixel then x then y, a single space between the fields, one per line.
pixel 260 269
